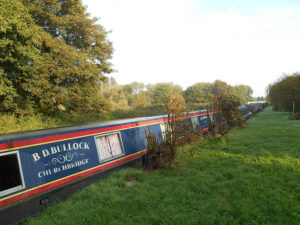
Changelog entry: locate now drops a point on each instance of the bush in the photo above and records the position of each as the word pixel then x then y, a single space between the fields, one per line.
pixel 228 115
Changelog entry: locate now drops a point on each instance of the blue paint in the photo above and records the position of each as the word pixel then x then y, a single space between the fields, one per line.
pixel 50 162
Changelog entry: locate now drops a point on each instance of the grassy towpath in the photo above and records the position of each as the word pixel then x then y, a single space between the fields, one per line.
pixel 251 177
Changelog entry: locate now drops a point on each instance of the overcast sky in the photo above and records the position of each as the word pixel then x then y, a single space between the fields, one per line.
pixel 250 42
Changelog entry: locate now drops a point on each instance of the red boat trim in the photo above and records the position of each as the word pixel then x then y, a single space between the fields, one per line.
pixel 59 182
pixel 67 136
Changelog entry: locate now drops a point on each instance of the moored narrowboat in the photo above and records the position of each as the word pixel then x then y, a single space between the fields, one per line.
pixel 38 167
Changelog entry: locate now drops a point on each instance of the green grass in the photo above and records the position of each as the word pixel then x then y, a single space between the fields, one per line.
pixel 23 122
pixel 251 177
pixel 12 123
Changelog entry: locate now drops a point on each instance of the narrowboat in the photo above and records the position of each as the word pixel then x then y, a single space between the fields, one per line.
pixel 40 167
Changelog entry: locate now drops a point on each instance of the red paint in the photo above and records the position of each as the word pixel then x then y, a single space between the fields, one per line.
pixel 23 143
pixel 53 138
pixel 66 180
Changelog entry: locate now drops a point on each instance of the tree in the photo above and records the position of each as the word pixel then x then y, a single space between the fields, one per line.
pixel 282 92
pixel 197 93
pixel 133 88
pixel 19 54
pixel 200 93
pixel 140 100
pixel 244 92
pixel 221 88
pixel 163 91
pixel 260 98
pixel 114 94
pixel 65 58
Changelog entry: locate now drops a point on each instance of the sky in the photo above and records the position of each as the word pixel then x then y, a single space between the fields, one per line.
pixel 251 42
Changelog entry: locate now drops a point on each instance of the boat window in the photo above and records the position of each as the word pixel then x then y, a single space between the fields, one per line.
pixel 11 175
pixel 195 122
pixel 163 128
pixel 109 146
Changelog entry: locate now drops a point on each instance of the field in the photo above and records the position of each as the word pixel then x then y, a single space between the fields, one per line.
pixel 250 177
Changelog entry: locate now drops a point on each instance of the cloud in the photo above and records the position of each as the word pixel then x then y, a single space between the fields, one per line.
pixel 161 41
pixel 249 49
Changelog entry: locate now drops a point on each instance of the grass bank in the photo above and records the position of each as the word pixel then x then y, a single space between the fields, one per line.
pixel 23 122
pixel 251 177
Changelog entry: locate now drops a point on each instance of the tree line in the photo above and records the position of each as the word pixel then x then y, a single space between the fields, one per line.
pixel 283 91
pixel 54 57
pixel 138 95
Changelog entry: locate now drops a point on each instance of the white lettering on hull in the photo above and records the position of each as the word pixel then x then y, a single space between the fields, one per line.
pixel 59 149
pixel 61 168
